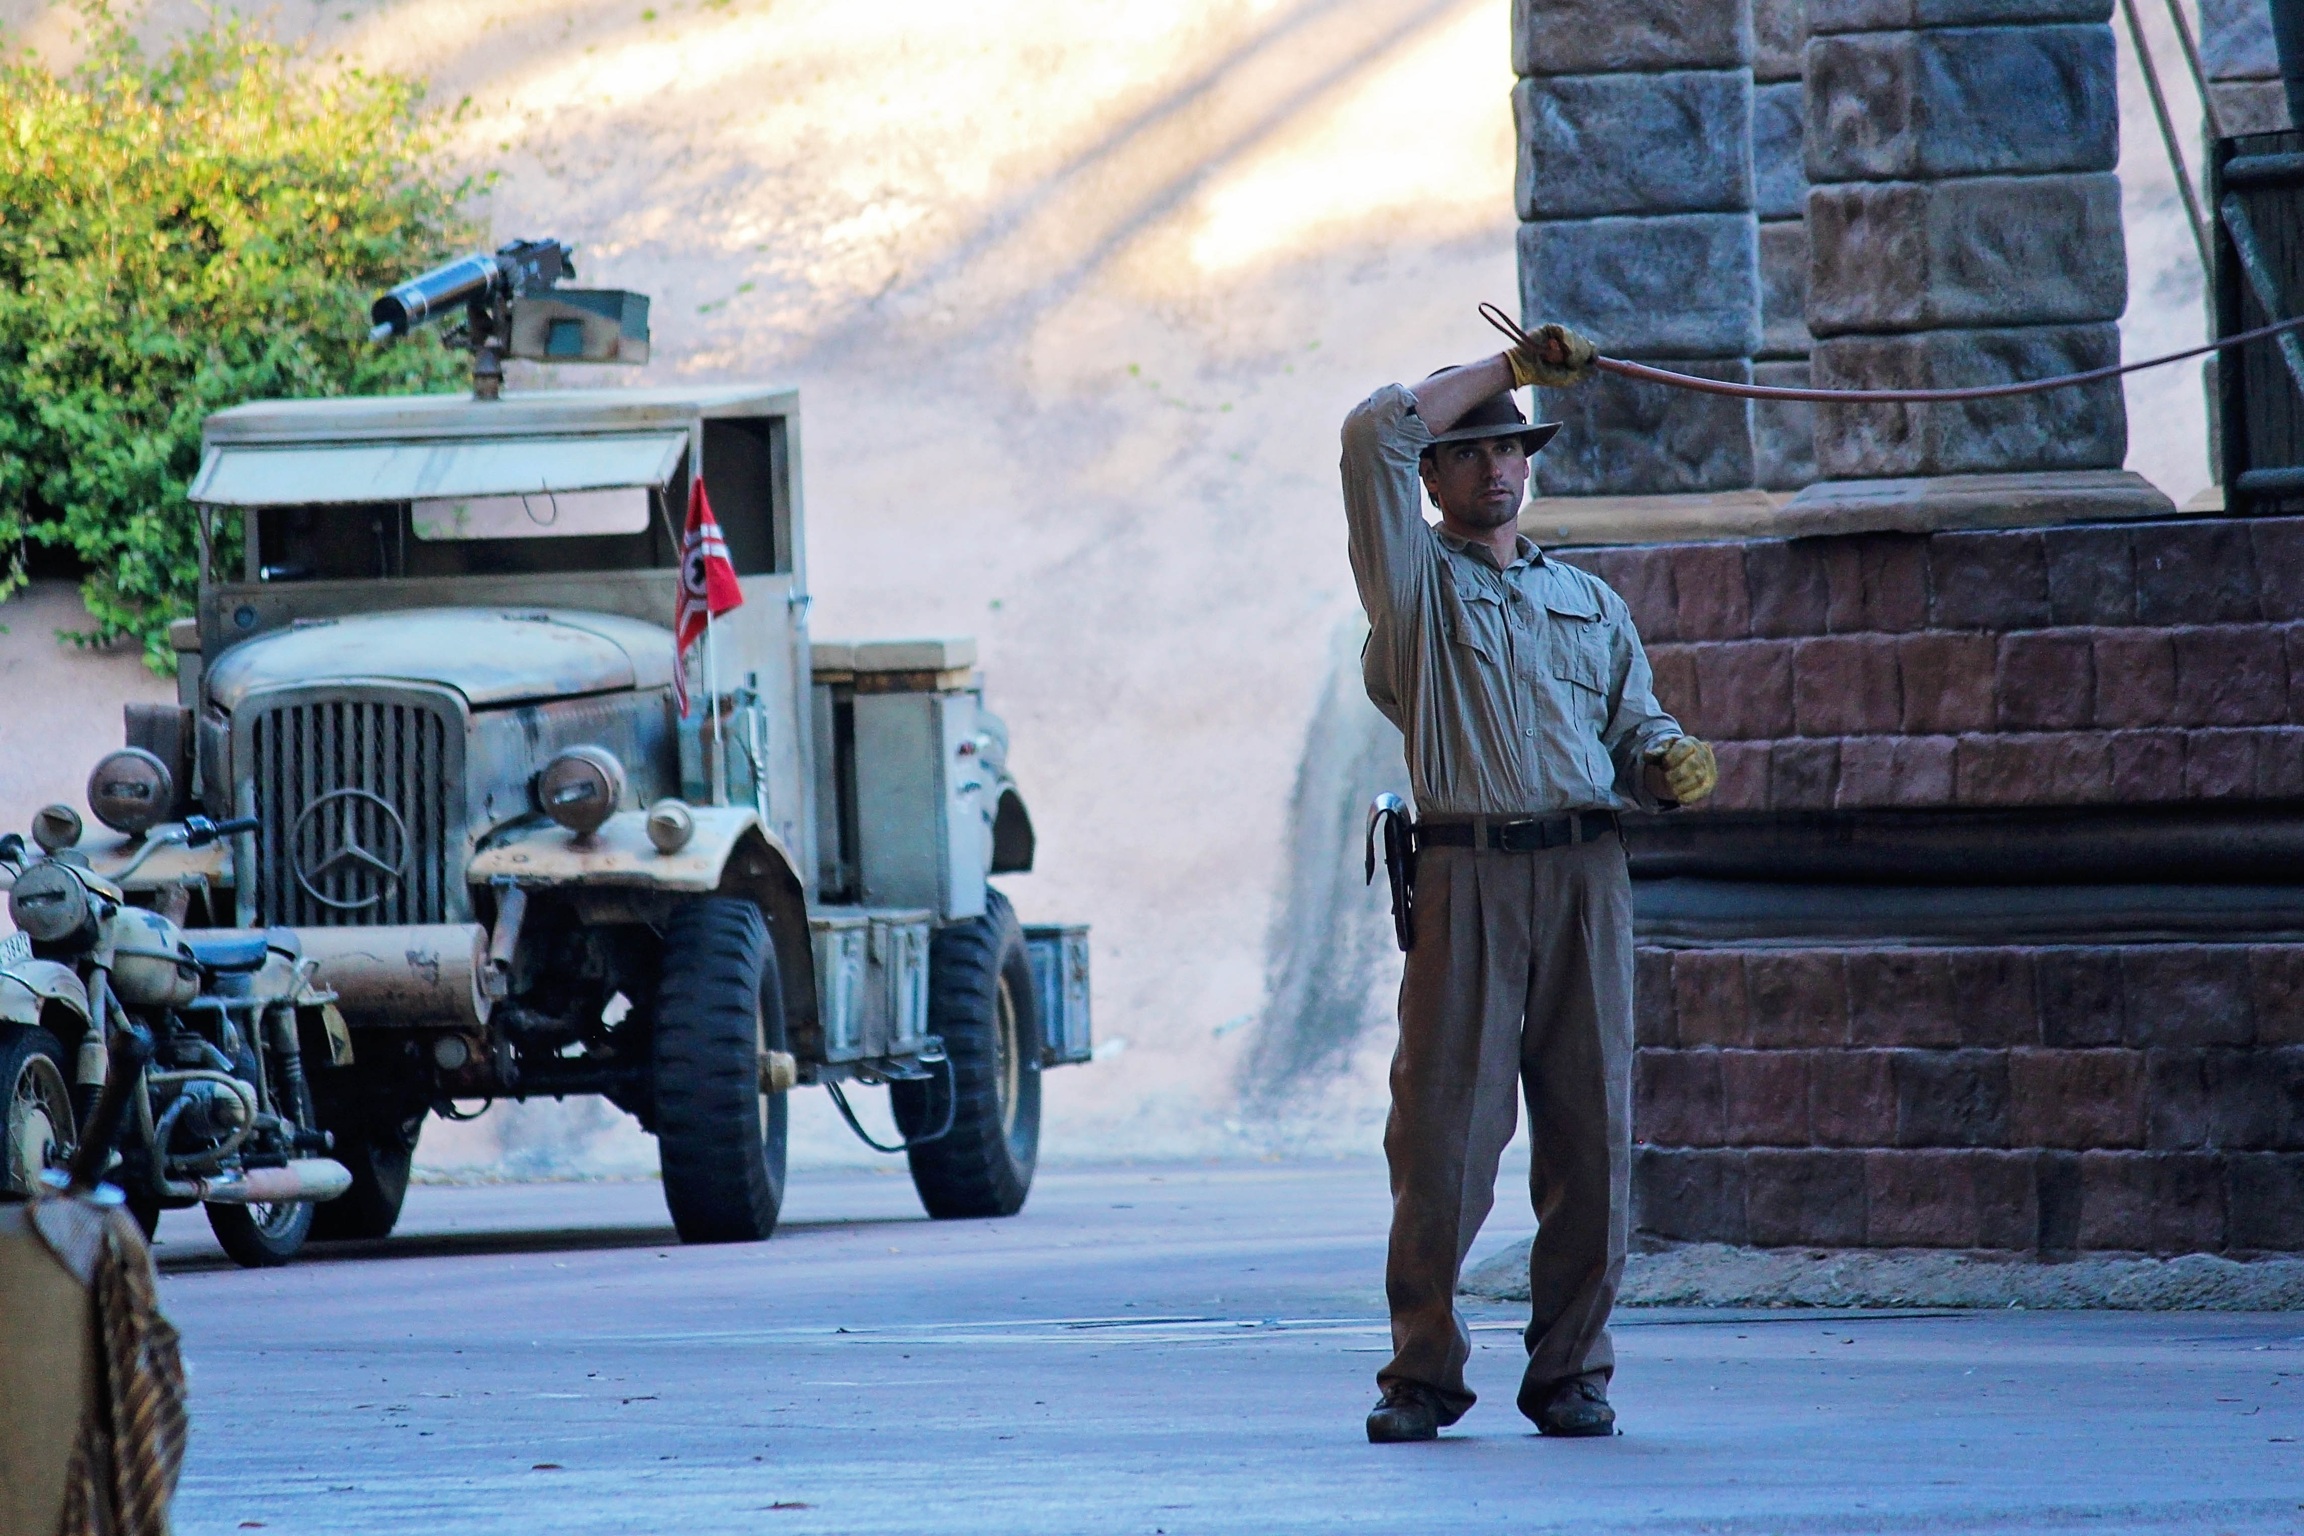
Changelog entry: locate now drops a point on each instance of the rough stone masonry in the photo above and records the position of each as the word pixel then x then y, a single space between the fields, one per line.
pixel 1635 195
pixel 1963 229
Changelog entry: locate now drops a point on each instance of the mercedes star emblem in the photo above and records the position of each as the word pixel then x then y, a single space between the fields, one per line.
pixel 354 842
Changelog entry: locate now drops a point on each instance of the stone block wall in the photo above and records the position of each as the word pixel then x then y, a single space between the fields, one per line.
pixel 1963 229
pixel 2092 664
pixel 2243 66
pixel 2057 1098
pixel 1634 188
pixel 1783 436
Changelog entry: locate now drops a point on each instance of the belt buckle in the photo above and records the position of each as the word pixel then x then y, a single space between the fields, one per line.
pixel 1521 836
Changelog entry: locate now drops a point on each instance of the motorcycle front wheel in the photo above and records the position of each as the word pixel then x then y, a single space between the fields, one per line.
pixel 39 1133
pixel 261 1236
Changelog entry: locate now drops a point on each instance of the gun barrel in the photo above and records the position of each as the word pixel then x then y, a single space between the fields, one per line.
pixel 435 293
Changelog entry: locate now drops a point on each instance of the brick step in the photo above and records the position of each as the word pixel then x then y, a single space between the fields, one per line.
pixel 2044 1201
pixel 2068 997
pixel 2202 570
pixel 2180 1099
pixel 1937 683
pixel 2043 768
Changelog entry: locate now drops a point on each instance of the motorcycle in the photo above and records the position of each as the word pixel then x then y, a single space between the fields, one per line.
pixel 213 1023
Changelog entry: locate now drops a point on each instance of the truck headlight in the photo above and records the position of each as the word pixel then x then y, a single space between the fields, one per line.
pixel 581 788
pixel 49 903
pixel 131 791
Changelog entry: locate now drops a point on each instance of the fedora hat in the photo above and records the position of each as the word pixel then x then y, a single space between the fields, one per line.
pixel 1497 416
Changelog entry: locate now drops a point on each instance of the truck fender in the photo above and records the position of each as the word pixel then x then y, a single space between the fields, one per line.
pixel 36 991
pixel 731 854
pixel 1013 842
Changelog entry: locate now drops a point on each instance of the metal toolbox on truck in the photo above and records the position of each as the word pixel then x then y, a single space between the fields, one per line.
pixel 871 980
pixel 840 939
pixel 1060 976
pixel 896 979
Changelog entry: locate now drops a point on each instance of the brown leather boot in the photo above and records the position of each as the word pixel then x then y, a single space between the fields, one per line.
pixel 1407 1413
pixel 1577 1407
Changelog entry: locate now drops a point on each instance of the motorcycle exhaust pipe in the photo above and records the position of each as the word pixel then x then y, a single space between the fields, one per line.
pixel 305 1178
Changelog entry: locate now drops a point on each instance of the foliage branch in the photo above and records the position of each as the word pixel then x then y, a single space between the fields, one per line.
pixel 179 232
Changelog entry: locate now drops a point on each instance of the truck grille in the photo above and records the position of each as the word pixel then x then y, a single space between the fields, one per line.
pixel 360 801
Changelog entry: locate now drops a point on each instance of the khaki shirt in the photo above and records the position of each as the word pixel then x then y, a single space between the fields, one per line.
pixel 1521 691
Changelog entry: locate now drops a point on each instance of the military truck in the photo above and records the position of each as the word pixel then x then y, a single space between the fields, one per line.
pixel 437 692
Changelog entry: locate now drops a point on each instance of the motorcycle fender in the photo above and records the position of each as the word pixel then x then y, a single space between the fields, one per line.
pixel 620 855
pixel 29 988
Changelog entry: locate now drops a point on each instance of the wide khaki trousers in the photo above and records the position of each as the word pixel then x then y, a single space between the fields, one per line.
pixel 1520 980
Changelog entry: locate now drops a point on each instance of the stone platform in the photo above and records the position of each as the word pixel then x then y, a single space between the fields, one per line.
pixel 1994 935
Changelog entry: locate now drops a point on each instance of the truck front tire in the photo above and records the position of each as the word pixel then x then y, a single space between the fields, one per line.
pixel 379 1157
pixel 719 1006
pixel 982 1003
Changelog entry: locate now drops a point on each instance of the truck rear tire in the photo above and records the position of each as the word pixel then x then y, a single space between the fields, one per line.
pixel 719 1006
pixel 982 1003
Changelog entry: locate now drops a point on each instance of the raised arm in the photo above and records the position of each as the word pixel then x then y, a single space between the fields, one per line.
pixel 1443 398
pixel 1384 437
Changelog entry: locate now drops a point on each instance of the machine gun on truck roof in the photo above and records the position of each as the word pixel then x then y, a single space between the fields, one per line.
pixel 513 306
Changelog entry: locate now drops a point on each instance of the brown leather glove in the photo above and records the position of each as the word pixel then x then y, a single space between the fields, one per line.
pixel 1553 357
pixel 1690 770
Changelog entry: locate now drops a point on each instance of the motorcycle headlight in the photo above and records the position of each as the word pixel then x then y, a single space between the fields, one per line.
pixel 131 791
pixel 581 788
pixel 55 826
pixel 49 903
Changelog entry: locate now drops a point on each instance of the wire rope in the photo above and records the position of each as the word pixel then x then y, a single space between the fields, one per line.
pixel 1665 376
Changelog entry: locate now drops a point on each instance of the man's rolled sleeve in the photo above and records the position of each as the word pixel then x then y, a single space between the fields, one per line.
pixel 1383 503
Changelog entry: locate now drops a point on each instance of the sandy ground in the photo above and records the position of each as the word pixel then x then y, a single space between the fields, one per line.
pixel 1077 294
pixel 1171 1349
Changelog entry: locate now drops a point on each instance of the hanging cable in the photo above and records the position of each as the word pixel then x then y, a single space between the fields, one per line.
pixel 951 1113
pixel 1669 379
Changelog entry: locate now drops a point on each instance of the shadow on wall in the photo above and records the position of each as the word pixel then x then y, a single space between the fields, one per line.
pixel 1331 956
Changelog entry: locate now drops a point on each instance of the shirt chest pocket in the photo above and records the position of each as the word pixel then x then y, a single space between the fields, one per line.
pixel 1575 651
pixel 1476 621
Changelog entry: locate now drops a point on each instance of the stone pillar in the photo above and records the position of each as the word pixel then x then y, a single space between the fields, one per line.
pixel 2243 66
pixel 1635 196
pixel 1964 228
pixel 1783 436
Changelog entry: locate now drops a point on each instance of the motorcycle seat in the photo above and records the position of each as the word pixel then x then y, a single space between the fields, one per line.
pixel 230 949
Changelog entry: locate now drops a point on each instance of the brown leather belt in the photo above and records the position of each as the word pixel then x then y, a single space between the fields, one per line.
pixel 1516 834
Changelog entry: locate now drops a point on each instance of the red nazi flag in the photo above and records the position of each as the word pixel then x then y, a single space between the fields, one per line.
pixel 708 586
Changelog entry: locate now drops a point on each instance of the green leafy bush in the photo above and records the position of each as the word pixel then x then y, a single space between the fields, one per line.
pixel 179 233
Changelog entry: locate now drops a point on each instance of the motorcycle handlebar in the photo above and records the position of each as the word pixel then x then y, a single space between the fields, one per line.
pixel 199 831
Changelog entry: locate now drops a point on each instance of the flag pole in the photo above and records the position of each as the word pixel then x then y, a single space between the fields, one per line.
pixel 712 705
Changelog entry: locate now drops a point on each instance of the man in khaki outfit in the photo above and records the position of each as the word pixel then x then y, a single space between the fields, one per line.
pixel 1531 720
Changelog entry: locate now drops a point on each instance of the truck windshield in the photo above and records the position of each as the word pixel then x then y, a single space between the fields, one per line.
pixel 545 514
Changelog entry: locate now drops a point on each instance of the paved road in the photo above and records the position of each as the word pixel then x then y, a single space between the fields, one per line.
pixel 1157 1349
